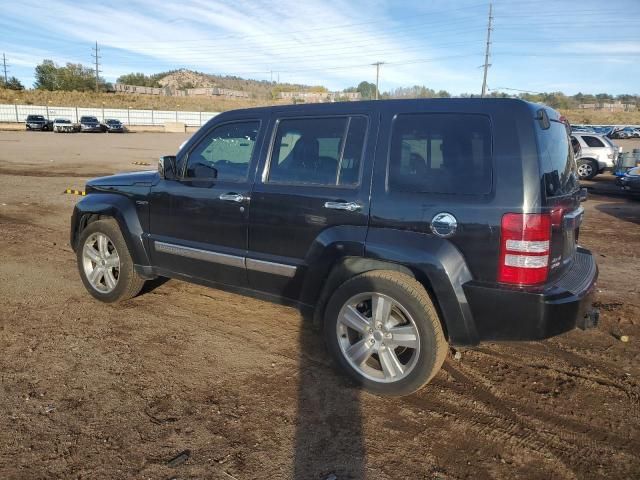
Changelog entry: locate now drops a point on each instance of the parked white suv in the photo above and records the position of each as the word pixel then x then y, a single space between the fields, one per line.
pixel 598 154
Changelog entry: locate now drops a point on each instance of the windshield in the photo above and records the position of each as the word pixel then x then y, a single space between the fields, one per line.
pixel 88 119
pixel 62 120
pixel 556 158
pixel 35 117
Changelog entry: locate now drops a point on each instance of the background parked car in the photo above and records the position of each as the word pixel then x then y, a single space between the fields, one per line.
pixel 630 181
pixel 38 122
pixel 597 154
pixel 90 124
pixel 114 126
pixel 64 125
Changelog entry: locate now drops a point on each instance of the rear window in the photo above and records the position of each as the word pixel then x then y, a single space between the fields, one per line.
pixel 556 159
pixel 441 153
pixel 592 141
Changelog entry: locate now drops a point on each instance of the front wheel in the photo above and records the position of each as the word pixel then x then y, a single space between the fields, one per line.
pixel 383 330
pixel 587 169
pixel 105 264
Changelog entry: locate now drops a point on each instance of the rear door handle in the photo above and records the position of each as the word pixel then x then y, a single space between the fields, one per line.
pixel 233 197
pixel 348 206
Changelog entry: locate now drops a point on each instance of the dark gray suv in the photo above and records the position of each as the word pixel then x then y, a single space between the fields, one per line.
pixel 403 226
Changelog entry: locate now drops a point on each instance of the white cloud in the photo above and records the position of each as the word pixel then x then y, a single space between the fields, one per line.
pixel 246 38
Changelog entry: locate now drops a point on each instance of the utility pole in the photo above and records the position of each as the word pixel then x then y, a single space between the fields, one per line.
pixel 377 65
pixel 4 64
pixel 486 52
pixel 96 56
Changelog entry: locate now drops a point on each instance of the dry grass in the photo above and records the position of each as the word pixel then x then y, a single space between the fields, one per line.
pixel 602 117
pixel 115 100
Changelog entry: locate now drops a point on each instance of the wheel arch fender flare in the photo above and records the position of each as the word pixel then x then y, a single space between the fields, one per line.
pixel 118 207
pixel 436 263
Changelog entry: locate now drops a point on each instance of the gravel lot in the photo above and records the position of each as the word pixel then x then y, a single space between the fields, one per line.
pixel 89 390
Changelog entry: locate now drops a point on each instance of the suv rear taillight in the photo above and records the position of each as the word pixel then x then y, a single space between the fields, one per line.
pixel 524 248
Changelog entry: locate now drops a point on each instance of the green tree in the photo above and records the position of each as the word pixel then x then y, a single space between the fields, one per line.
pixel 139 79
pixel 367 90
pixel 46 76
pixel 73 76
pixel 12 83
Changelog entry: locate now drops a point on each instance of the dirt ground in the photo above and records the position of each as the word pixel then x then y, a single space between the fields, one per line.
pixel 97 391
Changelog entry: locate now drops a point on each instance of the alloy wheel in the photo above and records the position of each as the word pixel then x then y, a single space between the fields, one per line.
pixel 101 262
pixel 585 170
pixel 378 337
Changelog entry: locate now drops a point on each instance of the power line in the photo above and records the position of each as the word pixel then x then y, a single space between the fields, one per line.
pixel 486 52
pixel 96 56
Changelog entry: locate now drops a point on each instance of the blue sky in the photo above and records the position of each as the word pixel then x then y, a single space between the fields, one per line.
pixel 589 46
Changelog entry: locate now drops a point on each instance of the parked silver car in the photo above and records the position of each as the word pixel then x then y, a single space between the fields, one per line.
pixel 64 125
pixel 598 154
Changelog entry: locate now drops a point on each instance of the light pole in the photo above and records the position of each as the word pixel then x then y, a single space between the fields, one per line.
pixel 129 115
pixel 102 112
pixel 47 107
pixel 177 105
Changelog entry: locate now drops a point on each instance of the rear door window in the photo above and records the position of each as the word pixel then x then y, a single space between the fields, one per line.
pixel 592 141
pixel 441 153
pixel 319 151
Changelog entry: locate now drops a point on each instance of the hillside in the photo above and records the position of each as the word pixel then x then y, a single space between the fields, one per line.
pixel 121 100
pixel 258 89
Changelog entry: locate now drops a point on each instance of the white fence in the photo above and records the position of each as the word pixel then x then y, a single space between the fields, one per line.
pixel 18 113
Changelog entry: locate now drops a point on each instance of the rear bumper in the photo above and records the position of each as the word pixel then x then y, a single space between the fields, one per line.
pixel 504 313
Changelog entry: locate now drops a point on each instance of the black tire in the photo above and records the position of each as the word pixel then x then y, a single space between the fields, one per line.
pixel 411 296
pixel 587 168
pixel 129 283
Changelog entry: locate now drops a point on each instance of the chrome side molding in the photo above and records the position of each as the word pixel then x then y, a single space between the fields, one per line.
pixel 273 268
pixel 198 254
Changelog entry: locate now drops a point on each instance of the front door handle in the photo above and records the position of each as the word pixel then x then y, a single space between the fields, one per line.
pixel 348 206
pixel 232 197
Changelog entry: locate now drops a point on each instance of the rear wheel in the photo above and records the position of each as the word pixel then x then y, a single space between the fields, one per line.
pixel 104 262
pixel 587 169
pixel 384 331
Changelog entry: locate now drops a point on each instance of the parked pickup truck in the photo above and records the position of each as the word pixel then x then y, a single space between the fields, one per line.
pixel 402 225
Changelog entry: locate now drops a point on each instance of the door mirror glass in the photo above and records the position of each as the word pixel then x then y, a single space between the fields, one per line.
pixel 167 167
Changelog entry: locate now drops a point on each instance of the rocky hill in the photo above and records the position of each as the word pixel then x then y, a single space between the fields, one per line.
pixel 258 89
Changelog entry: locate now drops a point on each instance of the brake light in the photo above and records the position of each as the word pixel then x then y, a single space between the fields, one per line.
pixel 524 248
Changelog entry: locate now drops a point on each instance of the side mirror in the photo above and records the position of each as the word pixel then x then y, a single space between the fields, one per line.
pixel 167 167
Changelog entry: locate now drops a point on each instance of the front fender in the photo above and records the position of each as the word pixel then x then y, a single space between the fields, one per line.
pixel 124 210
pixel 437 262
